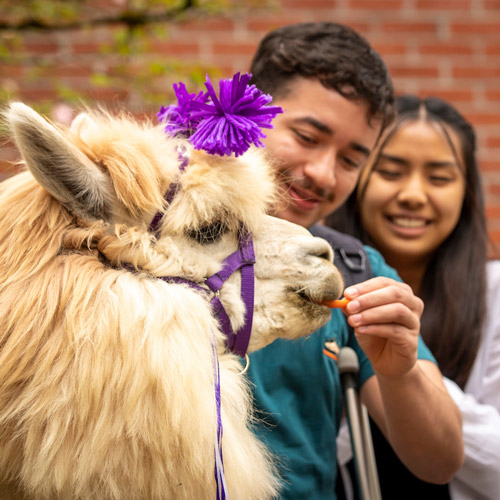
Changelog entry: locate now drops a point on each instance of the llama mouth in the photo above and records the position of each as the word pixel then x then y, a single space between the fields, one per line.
pixel 307 298
pixel 304 296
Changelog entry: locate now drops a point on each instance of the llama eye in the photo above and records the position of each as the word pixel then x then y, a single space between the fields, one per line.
pixel 209 233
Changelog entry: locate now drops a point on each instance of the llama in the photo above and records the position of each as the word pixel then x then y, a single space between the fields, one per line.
pixel 108 377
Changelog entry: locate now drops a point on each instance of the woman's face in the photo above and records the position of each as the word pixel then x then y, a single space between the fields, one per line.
pixel 414 194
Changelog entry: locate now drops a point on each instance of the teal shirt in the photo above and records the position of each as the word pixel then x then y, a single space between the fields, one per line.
pixel 298 398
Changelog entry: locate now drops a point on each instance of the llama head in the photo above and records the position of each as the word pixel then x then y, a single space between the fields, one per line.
pixel 115 170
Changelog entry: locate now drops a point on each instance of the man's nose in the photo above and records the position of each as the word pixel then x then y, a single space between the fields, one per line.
pixel 321 169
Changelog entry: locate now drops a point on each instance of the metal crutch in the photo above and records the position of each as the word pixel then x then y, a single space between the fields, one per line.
pixel 359 427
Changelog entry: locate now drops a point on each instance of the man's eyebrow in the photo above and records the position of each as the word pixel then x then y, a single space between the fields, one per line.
pixel 360 148
pixel 321 127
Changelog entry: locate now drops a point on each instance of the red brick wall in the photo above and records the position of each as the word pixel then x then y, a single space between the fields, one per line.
pixel 448 48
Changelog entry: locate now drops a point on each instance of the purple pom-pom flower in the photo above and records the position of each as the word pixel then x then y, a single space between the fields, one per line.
pixel 178 116
pixel 222 125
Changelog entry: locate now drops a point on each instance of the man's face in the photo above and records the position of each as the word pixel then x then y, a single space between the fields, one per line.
pixel 319 145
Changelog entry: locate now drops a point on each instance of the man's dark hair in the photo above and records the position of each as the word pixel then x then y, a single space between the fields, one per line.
pixel 337 56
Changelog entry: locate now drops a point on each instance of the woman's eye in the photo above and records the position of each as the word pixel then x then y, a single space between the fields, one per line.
pixel 436 179
pixel 389 174
pixel 209 233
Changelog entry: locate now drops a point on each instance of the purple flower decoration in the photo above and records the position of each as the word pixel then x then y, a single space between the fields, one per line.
pixel 225 125
pixel 178 117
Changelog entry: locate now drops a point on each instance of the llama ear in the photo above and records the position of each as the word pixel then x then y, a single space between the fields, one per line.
pixel 83 125
pixel 59 166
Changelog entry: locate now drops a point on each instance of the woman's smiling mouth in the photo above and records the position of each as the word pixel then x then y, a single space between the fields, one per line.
pixel 408 222
pixel 408 227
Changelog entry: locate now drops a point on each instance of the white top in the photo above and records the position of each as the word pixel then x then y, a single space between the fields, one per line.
pixel 479 477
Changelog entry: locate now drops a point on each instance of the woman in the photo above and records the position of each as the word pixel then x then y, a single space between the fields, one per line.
pixel 420 203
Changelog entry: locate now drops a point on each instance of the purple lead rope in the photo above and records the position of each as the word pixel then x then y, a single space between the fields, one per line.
pixel 220 479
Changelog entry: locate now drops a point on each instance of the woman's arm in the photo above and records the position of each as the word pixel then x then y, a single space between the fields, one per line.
pixel 479 476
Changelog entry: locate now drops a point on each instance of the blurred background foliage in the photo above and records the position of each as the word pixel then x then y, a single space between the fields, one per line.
pixel 117 36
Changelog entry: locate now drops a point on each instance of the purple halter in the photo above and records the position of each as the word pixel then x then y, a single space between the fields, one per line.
pixel 223 125
pixel 243 258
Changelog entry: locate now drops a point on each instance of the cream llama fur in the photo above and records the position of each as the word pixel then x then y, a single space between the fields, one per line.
pixel 106 375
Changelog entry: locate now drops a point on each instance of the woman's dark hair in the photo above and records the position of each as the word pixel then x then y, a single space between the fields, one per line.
pixel 454 284
pixel 337 56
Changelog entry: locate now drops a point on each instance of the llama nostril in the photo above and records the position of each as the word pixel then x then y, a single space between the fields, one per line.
pixel 325 255
pixel 322 249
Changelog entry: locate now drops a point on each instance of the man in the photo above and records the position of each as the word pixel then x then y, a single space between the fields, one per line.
pixel 337 97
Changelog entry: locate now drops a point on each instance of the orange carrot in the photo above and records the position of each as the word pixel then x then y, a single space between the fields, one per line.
pixel 335 303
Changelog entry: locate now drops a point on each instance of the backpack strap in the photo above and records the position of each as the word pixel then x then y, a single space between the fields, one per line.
pixel 350 255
